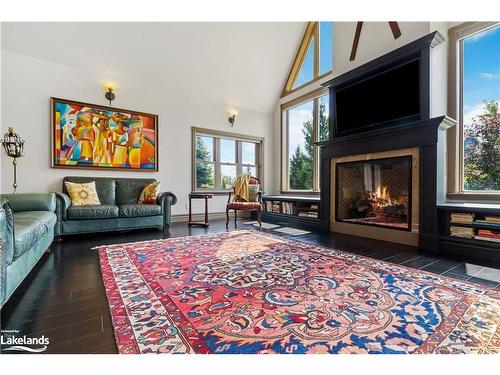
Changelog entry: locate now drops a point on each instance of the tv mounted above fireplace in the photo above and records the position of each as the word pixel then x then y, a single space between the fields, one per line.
pixel 388 97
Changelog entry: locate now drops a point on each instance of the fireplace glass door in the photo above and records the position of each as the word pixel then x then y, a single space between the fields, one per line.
pixel 374 192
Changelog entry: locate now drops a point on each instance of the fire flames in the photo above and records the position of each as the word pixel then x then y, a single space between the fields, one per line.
pixel 381 198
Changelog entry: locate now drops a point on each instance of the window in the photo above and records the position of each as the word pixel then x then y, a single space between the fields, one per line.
pixel 305 123
pixel 219 157
pixel 476 169
pixel 314 57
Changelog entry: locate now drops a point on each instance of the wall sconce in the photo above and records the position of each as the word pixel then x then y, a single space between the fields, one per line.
pixel 110 95
pixel 232 117
pixel 13 146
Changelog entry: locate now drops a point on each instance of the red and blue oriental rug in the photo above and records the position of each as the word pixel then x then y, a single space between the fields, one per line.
pixel 249 292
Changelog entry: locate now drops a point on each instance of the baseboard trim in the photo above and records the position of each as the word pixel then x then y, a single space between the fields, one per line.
pixel 184 218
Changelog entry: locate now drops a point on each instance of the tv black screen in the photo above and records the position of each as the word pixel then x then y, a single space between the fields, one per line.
pixel 389 96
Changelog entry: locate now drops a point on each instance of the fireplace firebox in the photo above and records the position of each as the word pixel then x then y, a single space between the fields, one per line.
pixel 375 192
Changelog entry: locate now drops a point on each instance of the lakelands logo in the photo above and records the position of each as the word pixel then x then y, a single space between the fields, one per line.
pixel 23 343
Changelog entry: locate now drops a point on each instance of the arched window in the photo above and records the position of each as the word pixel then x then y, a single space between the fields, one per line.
pixel 314 58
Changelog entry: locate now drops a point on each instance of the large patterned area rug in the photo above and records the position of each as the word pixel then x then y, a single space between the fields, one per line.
pixel 249 292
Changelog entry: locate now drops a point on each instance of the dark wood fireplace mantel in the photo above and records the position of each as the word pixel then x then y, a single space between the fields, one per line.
pixel 415 134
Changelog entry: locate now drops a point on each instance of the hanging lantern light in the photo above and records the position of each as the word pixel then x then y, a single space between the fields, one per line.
pixel 13 146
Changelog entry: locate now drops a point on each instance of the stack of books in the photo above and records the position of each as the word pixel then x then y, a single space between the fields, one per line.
pixel 269 206
pixel 313 214
pixel 273 206
pixel 490 221
pixel 488 235
pixel 276 207
pixel 462 218
pixel 287 208
pixel 463 232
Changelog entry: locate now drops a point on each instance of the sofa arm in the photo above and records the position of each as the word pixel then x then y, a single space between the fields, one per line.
pixel 31 201
pixel 6 244
pixel 63 202
pixel 166 201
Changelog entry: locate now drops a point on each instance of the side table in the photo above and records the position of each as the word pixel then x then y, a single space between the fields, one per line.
pixel 204 196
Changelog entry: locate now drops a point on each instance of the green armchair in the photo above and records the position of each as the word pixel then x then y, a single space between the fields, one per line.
pixel 26 231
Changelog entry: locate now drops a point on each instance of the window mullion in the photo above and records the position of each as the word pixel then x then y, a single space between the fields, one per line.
pixel 315 139
pixel 316 50
pixel 217 171
pixel 239 169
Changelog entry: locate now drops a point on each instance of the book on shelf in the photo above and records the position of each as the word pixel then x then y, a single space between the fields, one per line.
pixel 493 225
pixel 276 207
pixel 461 232
pixel 484 238
pixel 487 235
pixel 462 218
pixel 311 214
pixel 492 219
pixel 269 206
pixel 287 208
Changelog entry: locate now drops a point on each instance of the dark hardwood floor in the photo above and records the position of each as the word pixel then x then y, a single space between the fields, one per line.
pixel 63 298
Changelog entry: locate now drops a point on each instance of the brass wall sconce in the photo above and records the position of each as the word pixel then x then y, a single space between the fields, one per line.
pixel 13 146
pixel 110 95
pixel 232 118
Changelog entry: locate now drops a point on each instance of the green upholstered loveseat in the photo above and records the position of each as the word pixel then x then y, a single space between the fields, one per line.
pixel 118 210
pixel 26 231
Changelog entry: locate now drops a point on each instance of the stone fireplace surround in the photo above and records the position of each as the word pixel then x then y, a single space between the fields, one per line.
pixel 417 138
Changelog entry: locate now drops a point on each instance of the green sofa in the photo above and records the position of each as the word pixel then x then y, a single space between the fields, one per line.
pixel 27 229
pixel 118 210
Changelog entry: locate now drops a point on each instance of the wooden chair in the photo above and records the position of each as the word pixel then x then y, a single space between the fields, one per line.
pixel 236 205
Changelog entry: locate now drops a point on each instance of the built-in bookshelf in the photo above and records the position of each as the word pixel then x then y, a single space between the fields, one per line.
pixel 301 211
pixel 470 229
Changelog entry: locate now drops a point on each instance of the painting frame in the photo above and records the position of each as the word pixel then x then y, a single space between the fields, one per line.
pixel 132 115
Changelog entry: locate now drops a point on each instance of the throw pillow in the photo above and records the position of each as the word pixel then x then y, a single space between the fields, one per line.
pixel 83 194
pixel 149 193
pixel 253 191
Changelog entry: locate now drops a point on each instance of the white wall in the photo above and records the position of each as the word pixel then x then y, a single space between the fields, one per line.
pixel 376 40
pixel 28 83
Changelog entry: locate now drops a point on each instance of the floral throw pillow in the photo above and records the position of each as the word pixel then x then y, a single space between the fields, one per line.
pixel 149 193
pixel 83 194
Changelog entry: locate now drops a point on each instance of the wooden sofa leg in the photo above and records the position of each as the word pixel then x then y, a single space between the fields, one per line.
pixel 227 217
pixel 235 217
pixel 259 217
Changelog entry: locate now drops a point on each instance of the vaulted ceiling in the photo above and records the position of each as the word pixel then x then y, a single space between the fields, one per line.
pixel 244 64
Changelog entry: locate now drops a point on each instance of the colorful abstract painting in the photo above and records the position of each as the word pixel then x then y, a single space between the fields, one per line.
pixel 92 136
pixel 249 292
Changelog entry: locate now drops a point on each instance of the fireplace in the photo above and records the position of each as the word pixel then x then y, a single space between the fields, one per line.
pixel 375 192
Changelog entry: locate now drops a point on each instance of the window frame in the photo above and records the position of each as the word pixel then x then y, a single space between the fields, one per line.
pixel 217 136
pixel 285 177
pixel 311 35
pixel 455 139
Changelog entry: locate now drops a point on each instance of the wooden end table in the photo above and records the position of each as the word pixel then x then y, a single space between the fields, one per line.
pixel 204 196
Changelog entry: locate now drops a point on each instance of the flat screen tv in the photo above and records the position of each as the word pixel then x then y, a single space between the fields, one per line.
pixel 385 98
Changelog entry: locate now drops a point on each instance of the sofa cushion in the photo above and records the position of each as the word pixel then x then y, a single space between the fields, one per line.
pixel 84 194
pixel 103 211
pixel 30 227
pixel 128 190
pixel 138 210
pixel 105 187
pixel 150 193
